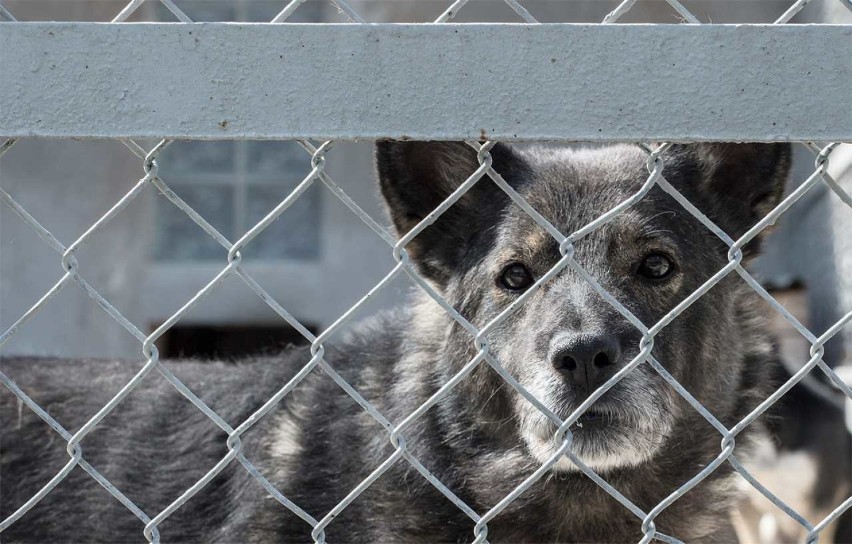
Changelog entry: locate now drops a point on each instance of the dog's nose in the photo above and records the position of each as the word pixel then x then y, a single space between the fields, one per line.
pixel 586 360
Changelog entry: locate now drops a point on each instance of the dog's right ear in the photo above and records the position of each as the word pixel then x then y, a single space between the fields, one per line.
pixel 416 177
pixel 734 184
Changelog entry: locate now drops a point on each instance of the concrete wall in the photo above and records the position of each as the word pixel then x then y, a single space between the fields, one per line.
pixel 69 185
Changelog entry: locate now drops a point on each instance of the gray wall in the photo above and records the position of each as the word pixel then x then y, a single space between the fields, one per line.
pixel 69 185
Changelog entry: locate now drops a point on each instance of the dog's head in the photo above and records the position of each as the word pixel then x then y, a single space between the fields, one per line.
pixel 566 340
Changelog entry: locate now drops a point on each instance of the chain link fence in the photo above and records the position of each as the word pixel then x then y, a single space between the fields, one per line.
pixel 232 266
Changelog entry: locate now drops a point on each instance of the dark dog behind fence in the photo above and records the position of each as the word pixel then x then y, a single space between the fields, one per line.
pixel 118 438
pixel 423 385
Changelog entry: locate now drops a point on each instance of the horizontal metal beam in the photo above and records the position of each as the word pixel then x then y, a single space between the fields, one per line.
pixel 495 81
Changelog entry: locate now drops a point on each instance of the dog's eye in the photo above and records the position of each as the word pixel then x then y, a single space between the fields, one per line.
pixel 656 266
pixel 516 277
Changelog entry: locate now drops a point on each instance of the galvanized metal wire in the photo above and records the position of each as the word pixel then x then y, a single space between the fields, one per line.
pixel 485 173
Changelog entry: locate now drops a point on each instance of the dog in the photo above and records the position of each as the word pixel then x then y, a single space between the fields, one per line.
pixel 482 438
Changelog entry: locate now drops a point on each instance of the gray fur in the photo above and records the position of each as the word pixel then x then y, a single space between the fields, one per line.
pixel 482 439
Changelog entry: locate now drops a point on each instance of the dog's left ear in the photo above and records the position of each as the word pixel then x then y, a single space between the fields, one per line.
pixel 735 185
pixel 416 177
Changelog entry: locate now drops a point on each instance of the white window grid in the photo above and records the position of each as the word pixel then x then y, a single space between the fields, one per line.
pixel 243 180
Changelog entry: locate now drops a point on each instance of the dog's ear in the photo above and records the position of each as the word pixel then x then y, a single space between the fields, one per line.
pixel 735 185
pixel 416 177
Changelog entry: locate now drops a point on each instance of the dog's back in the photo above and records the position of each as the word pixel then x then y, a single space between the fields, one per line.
pixel 156 444
pixel 152 447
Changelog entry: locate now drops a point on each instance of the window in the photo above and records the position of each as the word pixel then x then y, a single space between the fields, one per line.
pixel 234 185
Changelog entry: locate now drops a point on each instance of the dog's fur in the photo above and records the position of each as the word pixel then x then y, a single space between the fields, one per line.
pixel 482 439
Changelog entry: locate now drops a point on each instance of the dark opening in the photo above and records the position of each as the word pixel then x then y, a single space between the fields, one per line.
pixel 228 341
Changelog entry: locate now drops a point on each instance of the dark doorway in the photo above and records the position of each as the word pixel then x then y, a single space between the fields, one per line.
pixel 228 341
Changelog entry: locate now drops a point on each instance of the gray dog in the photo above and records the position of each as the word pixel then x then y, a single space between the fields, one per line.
pixel 483 438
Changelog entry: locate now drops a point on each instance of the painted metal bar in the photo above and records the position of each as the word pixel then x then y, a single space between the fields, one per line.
pixel 458 82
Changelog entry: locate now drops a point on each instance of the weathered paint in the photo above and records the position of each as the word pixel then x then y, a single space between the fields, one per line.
pixel 473 81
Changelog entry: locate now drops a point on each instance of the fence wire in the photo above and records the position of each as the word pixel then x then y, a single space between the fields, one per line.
pixel 232 254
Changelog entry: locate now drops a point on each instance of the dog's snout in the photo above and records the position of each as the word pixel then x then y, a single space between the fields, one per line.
pixel 586 360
